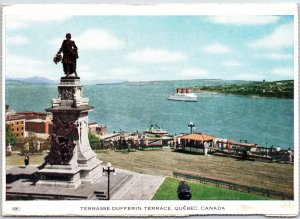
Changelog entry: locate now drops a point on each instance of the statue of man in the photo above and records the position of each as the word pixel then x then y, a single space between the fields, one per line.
pixel 70 55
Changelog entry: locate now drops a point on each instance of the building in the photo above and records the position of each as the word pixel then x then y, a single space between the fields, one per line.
pixel 23 123
pixel 29 115
pixel 196 142
pixel 232 145
pixel 97 129
pixel 17 124
pixel 38 123
pixel 39 127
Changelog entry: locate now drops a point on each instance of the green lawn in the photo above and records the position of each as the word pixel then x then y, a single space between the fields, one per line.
pixel 168 191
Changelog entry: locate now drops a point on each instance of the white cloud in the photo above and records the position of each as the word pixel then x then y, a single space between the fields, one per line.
pixel 98 39
pixel 217 48
pixel 20 22
pixel 243 20
pixel 85 72
pixel 22 67
pixel 281 37
pixel 193 73
pixel 156 56
pixel 232 64
pixel 17 40
pixel 278 56
pixel 56 42
pixel 122 72
pixel 248 76
pixel 285 72
pixel 92 39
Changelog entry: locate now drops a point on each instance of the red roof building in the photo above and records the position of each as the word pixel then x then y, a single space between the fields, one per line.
pixel 200 137
pixel 196 142
pixel 22 123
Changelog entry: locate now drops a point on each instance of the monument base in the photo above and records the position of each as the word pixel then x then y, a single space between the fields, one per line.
pixel 92 173
pixel 23 183
pixel 71 175
pixel 71 161
pixel 63 176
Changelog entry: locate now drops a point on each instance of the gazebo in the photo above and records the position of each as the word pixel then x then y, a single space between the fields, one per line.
pixel 196 142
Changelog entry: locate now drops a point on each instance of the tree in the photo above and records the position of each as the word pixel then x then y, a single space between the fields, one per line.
pixel 94 140
pixel 10 137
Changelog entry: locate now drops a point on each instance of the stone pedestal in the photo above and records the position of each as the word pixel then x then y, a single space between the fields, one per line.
pixel 71 161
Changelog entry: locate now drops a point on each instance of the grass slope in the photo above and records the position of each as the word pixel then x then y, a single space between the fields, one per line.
pixel 168 191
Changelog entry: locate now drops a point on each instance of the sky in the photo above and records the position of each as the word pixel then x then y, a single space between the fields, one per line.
pixel 152 48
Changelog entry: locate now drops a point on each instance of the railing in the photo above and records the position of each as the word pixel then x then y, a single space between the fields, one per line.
pixel 237 187
pixel 151 146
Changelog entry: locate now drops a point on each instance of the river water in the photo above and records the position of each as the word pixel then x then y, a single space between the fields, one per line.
pixel 134 106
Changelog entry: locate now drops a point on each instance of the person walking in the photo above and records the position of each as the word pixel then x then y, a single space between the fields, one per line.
pixel 26 160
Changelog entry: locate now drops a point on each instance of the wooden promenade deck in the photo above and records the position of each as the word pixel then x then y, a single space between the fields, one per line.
pixel 274 176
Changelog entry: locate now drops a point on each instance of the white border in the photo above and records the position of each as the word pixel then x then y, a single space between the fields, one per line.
pixel 72 208
pixel 153 9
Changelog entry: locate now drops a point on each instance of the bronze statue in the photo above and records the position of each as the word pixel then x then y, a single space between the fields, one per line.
pixel 70 56
pixel 62 140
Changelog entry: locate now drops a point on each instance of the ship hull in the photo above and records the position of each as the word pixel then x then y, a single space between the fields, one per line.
pixel 188 98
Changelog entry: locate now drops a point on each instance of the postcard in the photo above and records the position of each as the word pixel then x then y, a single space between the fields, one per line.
pixel 150 110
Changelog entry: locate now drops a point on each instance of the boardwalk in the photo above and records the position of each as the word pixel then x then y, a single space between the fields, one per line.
pixel 274 176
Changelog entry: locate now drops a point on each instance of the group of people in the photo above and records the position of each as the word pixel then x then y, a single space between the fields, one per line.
pixel 129 143
pixel 26 147
pixel 36 146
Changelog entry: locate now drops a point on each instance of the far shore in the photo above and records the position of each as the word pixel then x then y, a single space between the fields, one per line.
pixel 230 94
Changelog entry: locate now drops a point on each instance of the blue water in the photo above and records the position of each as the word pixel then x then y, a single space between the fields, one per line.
pixel 133 106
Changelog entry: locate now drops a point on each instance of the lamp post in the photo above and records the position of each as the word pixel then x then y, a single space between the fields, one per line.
pixel 108 170
pixel 191 126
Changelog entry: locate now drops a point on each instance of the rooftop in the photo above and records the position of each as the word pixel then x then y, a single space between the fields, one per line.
pixel 198 137
pixel 12 117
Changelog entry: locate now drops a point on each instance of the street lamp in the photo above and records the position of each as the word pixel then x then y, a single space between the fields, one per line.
pixel 191 126
pixel 108 170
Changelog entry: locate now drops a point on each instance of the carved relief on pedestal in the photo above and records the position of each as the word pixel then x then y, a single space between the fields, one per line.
pixel 67 93
pixel 73 94
pixel 63 138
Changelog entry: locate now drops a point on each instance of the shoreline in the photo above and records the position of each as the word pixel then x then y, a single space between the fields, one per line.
pixel 239 95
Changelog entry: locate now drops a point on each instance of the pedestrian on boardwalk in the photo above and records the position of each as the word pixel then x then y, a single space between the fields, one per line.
pixel 290 154
pixel 111 144
pixel 26 160
pixel 8 150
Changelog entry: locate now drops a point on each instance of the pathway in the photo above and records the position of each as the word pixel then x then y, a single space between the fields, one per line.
pixel 139 187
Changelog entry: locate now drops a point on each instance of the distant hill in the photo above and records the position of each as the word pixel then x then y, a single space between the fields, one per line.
pixel 33 80
pixel 43 80
pixel 108 82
